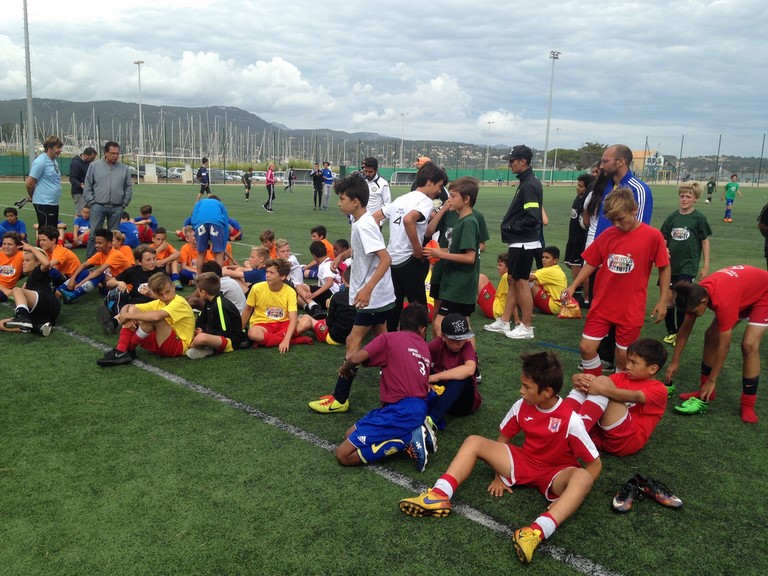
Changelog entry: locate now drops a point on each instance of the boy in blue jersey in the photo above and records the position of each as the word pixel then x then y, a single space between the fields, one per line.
pixel 211 224
pixel 146 223
pixel 12 223
pixel 81 229
pixel 130 230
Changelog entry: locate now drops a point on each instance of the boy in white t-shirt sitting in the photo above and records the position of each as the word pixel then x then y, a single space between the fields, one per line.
pixel 328 281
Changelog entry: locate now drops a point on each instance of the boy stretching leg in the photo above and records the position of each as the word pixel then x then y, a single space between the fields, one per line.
pixel 554 438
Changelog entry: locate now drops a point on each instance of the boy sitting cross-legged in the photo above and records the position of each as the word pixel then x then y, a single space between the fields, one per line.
pixel 164 326
pixel 398 424
pixel 270 314
pixel 219 327
pixel 555 438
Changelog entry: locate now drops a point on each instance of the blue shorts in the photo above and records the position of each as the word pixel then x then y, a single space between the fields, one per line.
pixel 212 234
pixel 388 422
pixel 254 276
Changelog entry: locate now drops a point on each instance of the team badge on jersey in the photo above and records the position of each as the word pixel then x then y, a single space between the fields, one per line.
pixel 554 425
pixel 680 234
pixel 620 263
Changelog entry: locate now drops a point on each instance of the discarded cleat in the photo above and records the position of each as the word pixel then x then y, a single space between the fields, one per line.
pixel 692 406
pixel 427 503
pixel 526 540
pixel 108 322
pixel 659 492
pixel 670 390
pixel 626 496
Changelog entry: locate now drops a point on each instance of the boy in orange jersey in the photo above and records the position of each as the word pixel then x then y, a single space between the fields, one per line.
pixel 10 264
pixel 62 261
pixel 167 256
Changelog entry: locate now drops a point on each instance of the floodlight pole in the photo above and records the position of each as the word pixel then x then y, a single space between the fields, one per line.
pixel 30 111
pixel 488 148
pixel 402 138
pixel 141 126
pixel 554 55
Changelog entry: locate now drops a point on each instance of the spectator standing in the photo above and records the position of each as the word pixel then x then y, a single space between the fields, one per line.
pixel 78 168
pixel 44 183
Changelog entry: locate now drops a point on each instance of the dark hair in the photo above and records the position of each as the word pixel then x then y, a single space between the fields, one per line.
pixel 353 187
pixel 414 318
pixel 111 144
pixel 267 236
pixel 467 186
pixel 553 251
pixel 341 243
pixel 212 266
pixel 10 210
pixel 319 230
pixel 126 216
pixel 15 236
pixel 104 233
pixel 140 250
pixel 283 266
pixel 587 179
pixel 209 282
pixel 430 172
pixel 52 142
pixel 503 257
pixel 89 151
pixel 318 249
pixel 689 295
pixel 146 209
pixel 158 281
pixel 544 368
pixel 161 230
pixel 598 187
pixel 371 163
pixel 204 160
pixel 650 350
pixel 51 232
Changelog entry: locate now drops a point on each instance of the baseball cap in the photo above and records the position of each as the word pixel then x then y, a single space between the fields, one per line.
pixel 456 327
pixel 421 160
pixel 519 152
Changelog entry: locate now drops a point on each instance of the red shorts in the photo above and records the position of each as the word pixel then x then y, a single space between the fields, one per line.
pixel 596 328
pixel 171 348
pixel 757 314
pixel 541 301
pixel 524 471
pixel 485 300
pixel 622 439
pixel 279 328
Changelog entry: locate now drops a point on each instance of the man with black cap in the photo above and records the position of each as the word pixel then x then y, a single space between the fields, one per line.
pixel 521 231
pixel 378 188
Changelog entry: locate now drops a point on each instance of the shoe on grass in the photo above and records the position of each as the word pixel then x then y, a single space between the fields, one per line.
pixel 178 285
pixel 626 496
pixel 417 449
pixel 197 353
pixel 497 326
pixel 692 406
pixel 44 329
pixel 670 339
pixel 659 492
pixel 21 320
pixel 328 405
pixel 427 503
pixel 115 358
pixel 108 322
pixel 520 332
pixel 670 389
pixel 526 540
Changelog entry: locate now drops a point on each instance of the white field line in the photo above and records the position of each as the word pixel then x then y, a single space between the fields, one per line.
pixel 578 563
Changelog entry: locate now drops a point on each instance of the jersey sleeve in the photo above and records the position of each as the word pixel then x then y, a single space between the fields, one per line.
pixel 510 425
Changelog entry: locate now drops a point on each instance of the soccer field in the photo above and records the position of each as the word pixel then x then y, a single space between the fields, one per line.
pixel 217 466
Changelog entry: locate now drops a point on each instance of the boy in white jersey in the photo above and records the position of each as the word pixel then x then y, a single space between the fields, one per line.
pixel 370 290
pixel 408 215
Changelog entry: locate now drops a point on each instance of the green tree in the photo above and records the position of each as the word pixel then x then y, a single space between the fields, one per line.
pixel 565 157
pixel 590 153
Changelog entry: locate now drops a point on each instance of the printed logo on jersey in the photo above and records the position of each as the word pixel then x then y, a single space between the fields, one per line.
pixel 680 234
pixel 554 425
pixel 620 263
pixel 275 313
pixel 7 271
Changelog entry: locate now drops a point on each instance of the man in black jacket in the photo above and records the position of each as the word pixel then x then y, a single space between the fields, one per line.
pixel 78 168
pixel 521 231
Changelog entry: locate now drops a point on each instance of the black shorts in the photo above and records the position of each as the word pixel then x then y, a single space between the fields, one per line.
pixel 573 250
pixel 46 310
pixel 380 316
pixel 447 307
pixel 205 188
pixel 520 263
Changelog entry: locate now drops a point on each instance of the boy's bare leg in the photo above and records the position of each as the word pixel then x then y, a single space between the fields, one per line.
pixel 493 453
pixel 573 485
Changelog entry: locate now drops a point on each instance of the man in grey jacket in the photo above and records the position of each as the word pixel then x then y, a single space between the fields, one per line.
pixel 108 191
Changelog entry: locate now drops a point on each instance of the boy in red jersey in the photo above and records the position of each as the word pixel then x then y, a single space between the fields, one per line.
pixel 623 256
pixel 621 411
pixel 555 439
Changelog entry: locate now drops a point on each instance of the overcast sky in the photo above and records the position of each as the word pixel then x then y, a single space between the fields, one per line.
pixel 457 69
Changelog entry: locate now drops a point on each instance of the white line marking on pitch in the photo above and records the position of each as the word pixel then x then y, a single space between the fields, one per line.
pixel 578 563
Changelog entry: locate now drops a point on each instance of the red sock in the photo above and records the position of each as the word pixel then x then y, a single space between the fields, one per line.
pixel 301 340
pixel 594 371
pixel 546 524
pixel 451 481
pixel 590 413
pixel 271 340
pixel 124 339
pixel 748 414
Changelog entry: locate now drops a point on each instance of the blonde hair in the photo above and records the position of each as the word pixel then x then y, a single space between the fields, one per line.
pixel 280 242
pixel 119 236
pixel 620 201
pixel 691 187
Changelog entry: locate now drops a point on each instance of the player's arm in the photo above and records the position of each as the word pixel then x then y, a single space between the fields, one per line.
pixel 437 216
pixel 465 257
pixel 246 316
pixel 586 271
pixel 113 282
pixel 327 284
pixel 378 216
pixel 594 468
pixel 497 487
pixel 293 319
pixel 604 386
pixel 682 338
pixel 763 227
pixel 409 224
pixel 340 258
pixel 723 345
pixel 39 255
pixel 363 296
pixel 466 370
pixel 705 252
pixel 660 310
pixel 354 359
pixel 133 313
